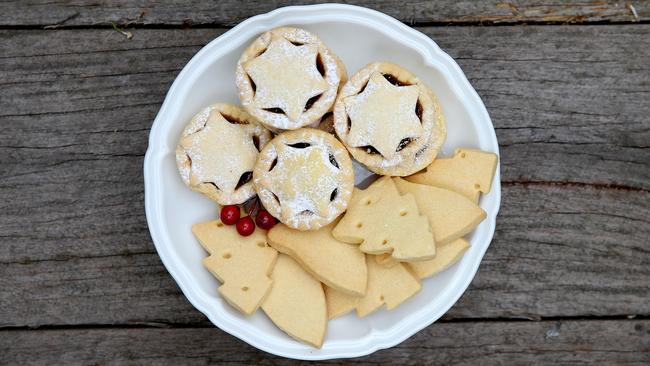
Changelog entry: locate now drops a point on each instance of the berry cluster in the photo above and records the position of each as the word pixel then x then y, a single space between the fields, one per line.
pixel 230 215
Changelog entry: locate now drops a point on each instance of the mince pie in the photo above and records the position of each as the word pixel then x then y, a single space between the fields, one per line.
pixel 304 178
pixel 389 120
pixel 217 152
pixel 288 78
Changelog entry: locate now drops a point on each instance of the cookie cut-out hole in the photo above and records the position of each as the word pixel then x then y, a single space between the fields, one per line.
pixel 245 178
pixel 311 101
pixel 261 52
pixel 256 142
pixel 370 150
pixel 261 244
pixel 320 66
pixel 300 145
pixel 404 143
pixel 245 288
pixel 275 196
pixel 384 242
pixel 333 161
pixel 381 297
pixel 403 213
pixel 421 151
pixel 363 88
pixel 418 110
pixel 296 43
pixel 477 186
pixel 233 120
pixel 462 155
pixel 219 224
pixel 359 225
pixel 273 164
pixel 226 255
pixel 394 80
pixel 274 110
pixel 253 86
pixel 333 195
pixel 368 202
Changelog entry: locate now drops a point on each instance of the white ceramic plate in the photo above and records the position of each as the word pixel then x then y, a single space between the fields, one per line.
pixel 358 36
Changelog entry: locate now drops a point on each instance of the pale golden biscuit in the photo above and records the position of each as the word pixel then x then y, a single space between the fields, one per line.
pixel 469 172
pixel 296 303
pixel 241 263
pixel 338 265
pixel 451 215
pixel 339 303
pixel 386 285
pixel 304 178
pixel 389 120
pixel 287 78
pixel 383 221
pixel 217 152
pixel 446 255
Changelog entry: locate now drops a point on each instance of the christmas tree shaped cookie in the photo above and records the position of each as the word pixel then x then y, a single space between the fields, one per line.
pixel 450 214
pixel 390 285
pixel 382 220
pixel 241 263
pixel 446 255
pixel 468 172
pixel 339 265
pixel 296 303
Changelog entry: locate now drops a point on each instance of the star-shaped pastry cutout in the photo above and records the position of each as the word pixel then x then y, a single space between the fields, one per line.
pixel 220 153
pixel 303 179
pixel 383 115
pixel 286 76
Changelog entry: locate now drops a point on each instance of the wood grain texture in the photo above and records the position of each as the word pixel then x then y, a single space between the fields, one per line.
pixel 569 104
pixel 558 251
pixel 226 13
pixel 485 343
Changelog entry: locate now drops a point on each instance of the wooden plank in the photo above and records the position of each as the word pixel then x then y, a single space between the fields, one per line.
pixel 571 104
pixel 558 251
pixel 76 107
pixel 486 343
pixel 226 13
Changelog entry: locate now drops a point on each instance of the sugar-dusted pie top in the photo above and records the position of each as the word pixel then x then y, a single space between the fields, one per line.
pixel 217 152
pixel 304 178
pixel 288 79
pixel 389 120
pixel 383 115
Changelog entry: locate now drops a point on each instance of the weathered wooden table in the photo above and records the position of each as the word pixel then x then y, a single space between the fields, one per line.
pixel 566 279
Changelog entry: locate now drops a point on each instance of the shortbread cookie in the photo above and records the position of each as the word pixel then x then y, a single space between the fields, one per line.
pixel 386 285
pixel 383 221
pixel 446 255
pixel 241 263
pixel 339 303
pixel 287 78
pixel 217 152
pixel 468 172
pixel 296 303
pixel 389 120
pixel 451 215
pixel 338 265
pixel 304 178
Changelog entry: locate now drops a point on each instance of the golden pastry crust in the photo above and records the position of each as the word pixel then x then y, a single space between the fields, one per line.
pixel 287 78
pixel 304 178
pixel 389 120
pixel 217 152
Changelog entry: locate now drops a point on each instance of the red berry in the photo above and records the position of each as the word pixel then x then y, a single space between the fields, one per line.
pixel 265 220
pixel 229 214
pixel 245 226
